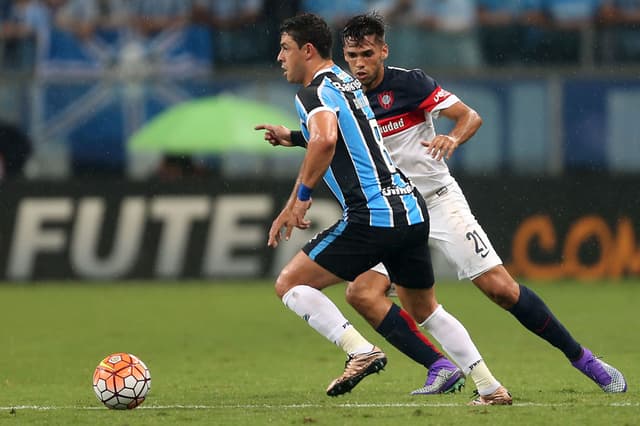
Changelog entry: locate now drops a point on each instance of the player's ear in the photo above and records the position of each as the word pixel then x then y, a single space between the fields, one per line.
pixel 385 51
pixel 308 49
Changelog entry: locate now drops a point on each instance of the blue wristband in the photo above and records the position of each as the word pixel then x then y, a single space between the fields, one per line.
pixel 304 192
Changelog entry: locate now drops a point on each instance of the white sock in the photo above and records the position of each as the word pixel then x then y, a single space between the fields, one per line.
pixel 324 316
pixel 352 342
pixel 457 343
pixel 484 380
pixel 453 337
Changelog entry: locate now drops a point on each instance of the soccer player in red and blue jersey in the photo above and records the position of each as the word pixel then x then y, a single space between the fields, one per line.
pixel 405 103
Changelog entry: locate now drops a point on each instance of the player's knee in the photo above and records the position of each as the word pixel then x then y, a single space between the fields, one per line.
pixel 359 294
pixel 356 294
pixel 500 299
pixel 283 283
pixel 509 295
pixel 420 308
pixel 498 285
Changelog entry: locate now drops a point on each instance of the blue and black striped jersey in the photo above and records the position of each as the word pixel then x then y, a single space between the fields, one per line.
pixel 361 175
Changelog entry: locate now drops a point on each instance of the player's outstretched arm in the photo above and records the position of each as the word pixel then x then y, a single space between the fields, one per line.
pixel 276 134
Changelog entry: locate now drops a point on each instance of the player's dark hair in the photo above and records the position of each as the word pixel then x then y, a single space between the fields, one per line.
pixel 360 26
pixel 309 28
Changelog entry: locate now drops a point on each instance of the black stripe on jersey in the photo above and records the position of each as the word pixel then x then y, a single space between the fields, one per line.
pixel 399 212
pixel 343 167
pixel 308 95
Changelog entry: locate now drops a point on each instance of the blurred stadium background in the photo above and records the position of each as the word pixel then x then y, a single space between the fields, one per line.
pixel 553 174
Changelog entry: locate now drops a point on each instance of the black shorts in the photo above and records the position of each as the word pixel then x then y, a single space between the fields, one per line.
pixel 349 249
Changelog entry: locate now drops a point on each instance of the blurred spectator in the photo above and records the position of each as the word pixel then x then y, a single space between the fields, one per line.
pixel 24 29
pixel 500 31
pixel 561 31
pixel 84 18
pixel 279 10
pixel 620 24
pixel 240 31
pixel 401 34
pixel 437 33
pixel 15 149
pixel 150 17
pixel 5 10
pixel 113 14
pixel 79 17
pixel 336 13
pixel 394 11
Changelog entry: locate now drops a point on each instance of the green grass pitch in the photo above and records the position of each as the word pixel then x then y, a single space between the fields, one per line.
pixel 229 353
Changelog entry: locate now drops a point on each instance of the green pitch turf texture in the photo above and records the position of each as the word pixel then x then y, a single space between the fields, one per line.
pixel 230 353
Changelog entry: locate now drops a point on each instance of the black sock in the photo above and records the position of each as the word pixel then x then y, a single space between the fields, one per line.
pixel 402 332
pixel 534 314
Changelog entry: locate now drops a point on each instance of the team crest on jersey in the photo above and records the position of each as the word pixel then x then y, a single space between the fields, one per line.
pixel 385 99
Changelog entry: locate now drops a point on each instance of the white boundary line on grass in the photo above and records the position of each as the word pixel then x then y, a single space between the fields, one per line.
pixel 297 406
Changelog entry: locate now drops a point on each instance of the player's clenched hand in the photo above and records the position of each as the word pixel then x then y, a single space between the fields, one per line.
pixel 442 146
pixel 276 134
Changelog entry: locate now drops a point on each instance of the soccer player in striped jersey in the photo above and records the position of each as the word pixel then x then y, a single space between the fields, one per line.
pixel 405 103
pixel 384 218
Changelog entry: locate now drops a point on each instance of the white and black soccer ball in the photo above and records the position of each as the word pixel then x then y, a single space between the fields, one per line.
pixel 121 381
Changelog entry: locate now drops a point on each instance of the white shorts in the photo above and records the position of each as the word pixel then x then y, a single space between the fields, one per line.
pixel 456 233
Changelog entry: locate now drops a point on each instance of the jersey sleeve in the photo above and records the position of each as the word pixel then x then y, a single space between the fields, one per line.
pixel 436 98
pixel 314 99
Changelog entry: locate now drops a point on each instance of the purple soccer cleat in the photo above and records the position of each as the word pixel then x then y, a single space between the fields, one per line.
pixel 605 376
pixel 443 377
